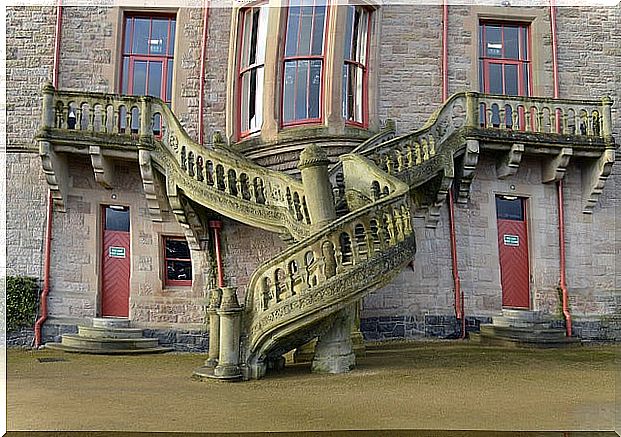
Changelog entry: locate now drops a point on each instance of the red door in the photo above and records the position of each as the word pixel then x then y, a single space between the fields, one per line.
pixel 115 262
pixel 513 252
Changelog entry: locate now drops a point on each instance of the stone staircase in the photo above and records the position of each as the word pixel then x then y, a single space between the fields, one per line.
pixel 108 336
pixel 522 328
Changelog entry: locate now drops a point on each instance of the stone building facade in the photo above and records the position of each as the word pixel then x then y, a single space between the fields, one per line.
pixel 403 82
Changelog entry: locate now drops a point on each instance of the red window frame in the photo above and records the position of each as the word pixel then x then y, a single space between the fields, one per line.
pixel 522 62
pixel 310 57
pixel 243 70
pixel 175 282
pixel 126 82
pixel 365 74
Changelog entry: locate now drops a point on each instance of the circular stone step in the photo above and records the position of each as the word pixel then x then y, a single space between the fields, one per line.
pixel 92 332
pixel 95 351
pixel 110 322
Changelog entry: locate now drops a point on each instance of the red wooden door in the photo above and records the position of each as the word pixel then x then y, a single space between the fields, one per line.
pixel 115 262
pixel 513 252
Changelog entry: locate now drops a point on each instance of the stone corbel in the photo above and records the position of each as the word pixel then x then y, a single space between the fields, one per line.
pixel 468 167
pixel 509 164
pixel 554 170
pixel 432 216
pixel 55 169
pixel 149 184
pixel 103 167
pixel 594 177
pixel 194 231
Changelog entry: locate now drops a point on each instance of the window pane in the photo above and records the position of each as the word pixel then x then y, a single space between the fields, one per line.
pixel 117 219
pixel 523 43
pixel 509 209
pixel 349 32
pixel 171 42
pixel 511 80
pixel 140 78
pixel 169 74
pixel 293 22
pixel 141 36
pixel 155 79
pixel 525 79
pixel 301 89
pixel 318 29
pixel 306 24
pixel 315 89
pixel 179 270
pixel 177 249
pixel 495 79
pixel 289 94
pixel 511 43
pixel 125 76
pixel 262 34
pixel 159 37
pixel 345 93
pixel 128 35
pixel 493 41
pixel 363 31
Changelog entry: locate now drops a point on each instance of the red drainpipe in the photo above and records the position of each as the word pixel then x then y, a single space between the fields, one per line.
pixel 201 87
pixel 559 184
pixel 459 297
pixel 216 225
pixel 48 227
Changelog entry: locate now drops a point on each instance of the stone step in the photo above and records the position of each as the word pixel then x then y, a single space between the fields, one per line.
pixel 520 323
pixel 111 322
pixel 529 315
pixel 77 341
pixel 488 340
pixel 92 332
pixel 527 334
pixel 97 351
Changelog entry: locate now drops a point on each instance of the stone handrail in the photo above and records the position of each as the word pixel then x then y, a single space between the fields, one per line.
pixel 336 265
pixel 216 177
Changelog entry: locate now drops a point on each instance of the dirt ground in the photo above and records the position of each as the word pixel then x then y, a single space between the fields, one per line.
pixel 430 385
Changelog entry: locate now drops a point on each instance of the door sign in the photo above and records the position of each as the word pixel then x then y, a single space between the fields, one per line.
pixel 511 240
pixel 116 252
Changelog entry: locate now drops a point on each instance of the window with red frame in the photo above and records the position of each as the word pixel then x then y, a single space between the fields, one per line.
pixel 504 62
pixel 251 68
pixel 148 50
pixel 355 65
pixel 177 261
pixel 303 62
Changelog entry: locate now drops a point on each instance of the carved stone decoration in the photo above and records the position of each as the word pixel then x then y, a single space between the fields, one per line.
pixel 149 182
pixel 509 164
pixel 432 217
pixel 103 167
pixel 195 232
pixel 468 167
pixel 554 170
pixel 594 177
pixel 55 169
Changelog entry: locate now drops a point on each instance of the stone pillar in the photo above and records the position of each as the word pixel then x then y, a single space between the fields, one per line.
pixel 317 187
pixel 214 327
pixel 229 312
pixel 334 350
pixel 356 335
pixel 48 117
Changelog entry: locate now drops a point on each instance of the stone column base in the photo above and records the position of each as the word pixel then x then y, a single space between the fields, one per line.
pixel 357 340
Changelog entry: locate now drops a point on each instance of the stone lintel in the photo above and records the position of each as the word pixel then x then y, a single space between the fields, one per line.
pixel 555 168
pixel 149 186
pixel 55 170
pixel 468 167
pixel 103 167
pixel 594 176
pixel 510 162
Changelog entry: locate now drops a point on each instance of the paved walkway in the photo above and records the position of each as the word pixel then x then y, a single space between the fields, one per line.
pixel 436 385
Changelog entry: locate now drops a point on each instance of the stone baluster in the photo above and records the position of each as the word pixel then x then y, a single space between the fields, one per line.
pixel 230 317
pixel 502 116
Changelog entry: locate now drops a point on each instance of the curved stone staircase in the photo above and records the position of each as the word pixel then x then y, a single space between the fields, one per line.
pixel 302 292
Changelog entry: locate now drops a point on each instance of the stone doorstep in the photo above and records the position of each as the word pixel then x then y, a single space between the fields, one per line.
pixel 75 340
pixel 111 322
pixel 487 340
pixel 521 314
pixel 79 350
pixel 523 333
pixel 92 332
